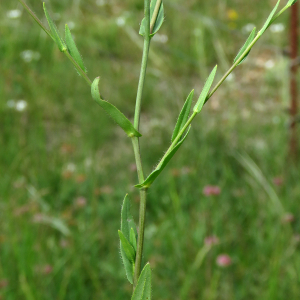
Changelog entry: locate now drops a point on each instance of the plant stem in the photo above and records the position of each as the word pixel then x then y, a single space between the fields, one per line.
pixel 141 82
pixel 233 67
pixel 136 146
pixel 35 18
pixel 80 71
pixel 189 121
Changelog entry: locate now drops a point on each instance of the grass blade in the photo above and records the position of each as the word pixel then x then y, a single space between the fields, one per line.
pixel 73 49
pixel 245 46
pixel 150 179
pixel 183 116
pixel 156 17
pixel 197 108
pixel 269 20
pixel 57 38
pixel 143 287
pixel 113 112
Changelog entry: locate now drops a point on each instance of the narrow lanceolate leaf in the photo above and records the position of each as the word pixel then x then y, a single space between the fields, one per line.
pixel 197 108
pixel 269 20
pixel 57 38
pixel 126 218
pixel 156 18
pixel 150 179
pixel 128 266
pixel 143 287
pixel 291 2
pixel 129 250
pixel 127 225
pixel 133 238
pixel 184 115
pixel 245 46
pixel 73 49
pixel 113 112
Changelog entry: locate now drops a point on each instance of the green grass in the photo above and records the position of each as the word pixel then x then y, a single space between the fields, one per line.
pixel 63 147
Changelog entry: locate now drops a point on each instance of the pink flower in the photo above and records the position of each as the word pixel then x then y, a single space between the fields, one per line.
pixel 3 283
pixel 211 240
pixel 288 218
pixel 278 181
pixel 211 190
pixel 223 260
pixel 80 202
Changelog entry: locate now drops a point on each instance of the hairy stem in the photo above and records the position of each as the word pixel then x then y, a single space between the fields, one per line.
pixel 136 146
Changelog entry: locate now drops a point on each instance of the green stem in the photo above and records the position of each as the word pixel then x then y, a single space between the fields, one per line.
pixel 36 18
pixel 136 146
pixel 81 72
pixel 189 121
pixel 141 82
pixel 233 67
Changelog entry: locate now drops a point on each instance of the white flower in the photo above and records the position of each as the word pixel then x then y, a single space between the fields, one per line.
pixel 230 77
pixel 71 167
pixel 120 21
pixel 269 64
pixel 279 27
pixel 160 38
pixel 248 28
pixel 29 55
pixel 100 2
pixel 21 105
pixel 14 14
pixel 71 25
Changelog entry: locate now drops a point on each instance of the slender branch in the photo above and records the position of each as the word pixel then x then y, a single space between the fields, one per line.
pixel 189 121
pixel 233 67
pixel 78 68
pixel 36 18
pixel 81 72
pixel 136 146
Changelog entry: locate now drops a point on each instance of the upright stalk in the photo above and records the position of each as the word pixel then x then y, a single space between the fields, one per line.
pixel 136 145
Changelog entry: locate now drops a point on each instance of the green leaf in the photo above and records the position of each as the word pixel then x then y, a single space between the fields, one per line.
pixel 143 287
pixel 291 2
pixel 245 46
pixel 128 266
pixel 129 250
pixel 73 49
pixel 127 223
pixel 57 38
pixel 158 21
pixel 113 112
pixel 197 108
pixel 269 20
pixel 150 179
pixel 183 116
pixel 133 238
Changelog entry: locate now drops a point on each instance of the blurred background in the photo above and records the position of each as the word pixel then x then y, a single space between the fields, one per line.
pixel 223 218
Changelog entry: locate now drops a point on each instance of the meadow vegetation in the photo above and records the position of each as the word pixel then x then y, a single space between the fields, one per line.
pixel 222 221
